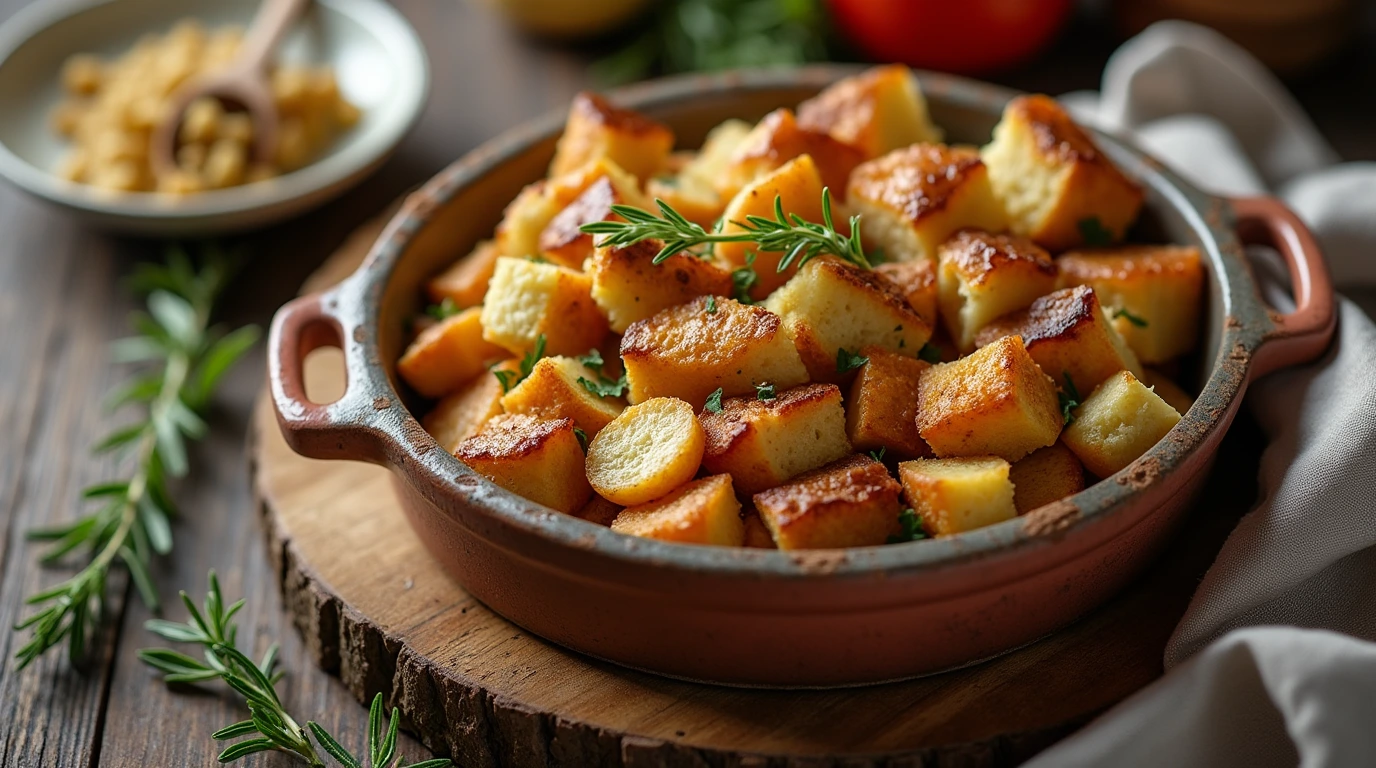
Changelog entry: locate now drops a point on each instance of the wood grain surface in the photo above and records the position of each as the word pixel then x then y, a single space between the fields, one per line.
pixel 60 303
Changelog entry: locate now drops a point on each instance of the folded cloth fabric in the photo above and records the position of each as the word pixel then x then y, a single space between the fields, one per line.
pixel 1273 663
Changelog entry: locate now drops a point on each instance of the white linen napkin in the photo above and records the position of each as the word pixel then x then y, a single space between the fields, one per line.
pixel 1273 663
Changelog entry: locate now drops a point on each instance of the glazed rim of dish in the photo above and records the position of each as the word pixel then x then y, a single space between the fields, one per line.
pixel 375 409
pixel 379 18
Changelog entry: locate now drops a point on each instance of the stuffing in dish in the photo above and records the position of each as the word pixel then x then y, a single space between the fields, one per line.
pixel 827 329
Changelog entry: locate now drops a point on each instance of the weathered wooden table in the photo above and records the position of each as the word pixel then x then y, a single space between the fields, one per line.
pixel 60 305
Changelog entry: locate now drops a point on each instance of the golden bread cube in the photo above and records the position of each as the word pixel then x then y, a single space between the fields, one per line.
pixel 799 187
pixel 849 503
pixel 1119 421
pixel 833 305
pixel 629 286
pixel 1154 292
pixel 693 349
pixel 994 402
pixel 777 139
pixel 1045 475
pixel 459 416
pixel 448 354
pixel 982 276
pixel 693 190
pixel 596 129
pixel 764 443
pixel 526 218
pixel 757 535
pixel 1068 334
pixel 646 452
pixel 957 495
pixel 552 391
pixel 526 300
pixel 1169 391
pixel 1052 179
pixel 701 512
pixel 465 281
pixel 563 241
pixel 881 407
pixel 912 199
pixel 917 281
pixel 599 511
pixel 534 458
pixel 878 110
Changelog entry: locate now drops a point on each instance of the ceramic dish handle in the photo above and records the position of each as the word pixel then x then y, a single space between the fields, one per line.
pixel 347 428
pixel 1302 335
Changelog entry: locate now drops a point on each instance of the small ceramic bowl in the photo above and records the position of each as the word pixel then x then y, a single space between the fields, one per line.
pixel 376 56
pixel 760 617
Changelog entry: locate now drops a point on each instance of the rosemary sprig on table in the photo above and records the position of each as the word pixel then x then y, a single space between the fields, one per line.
pixel 272 728
pixel 788 233
pixel 186 358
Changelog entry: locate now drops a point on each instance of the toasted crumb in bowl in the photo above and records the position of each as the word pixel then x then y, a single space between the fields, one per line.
pixel 112 106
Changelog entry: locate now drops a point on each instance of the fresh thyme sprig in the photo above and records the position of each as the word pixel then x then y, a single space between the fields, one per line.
pixel 788 233
pixel 187 357
pixel 212 627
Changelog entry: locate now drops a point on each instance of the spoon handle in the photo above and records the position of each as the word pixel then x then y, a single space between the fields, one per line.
pixel 272 21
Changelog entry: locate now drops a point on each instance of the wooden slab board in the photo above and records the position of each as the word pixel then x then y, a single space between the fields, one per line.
pixel 376 610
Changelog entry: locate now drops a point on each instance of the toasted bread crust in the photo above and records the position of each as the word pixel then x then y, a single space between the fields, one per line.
pixel 465 281
pixel 878 110
pixel 1059 139
pixel 563 232
pixel 977 255
pixel 778 138
pixel 510 435
pixel 727 427
pixel 858 479
pixel 916 181
pixel 1060 314
pixel 596 110
pixel 917 281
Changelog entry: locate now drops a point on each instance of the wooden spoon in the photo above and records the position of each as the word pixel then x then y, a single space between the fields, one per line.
pixel 243 82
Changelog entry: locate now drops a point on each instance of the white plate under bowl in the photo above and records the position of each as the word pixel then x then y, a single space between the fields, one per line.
pixel 377 58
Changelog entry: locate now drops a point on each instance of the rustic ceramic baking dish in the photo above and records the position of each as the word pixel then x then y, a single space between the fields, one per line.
pixel 758 617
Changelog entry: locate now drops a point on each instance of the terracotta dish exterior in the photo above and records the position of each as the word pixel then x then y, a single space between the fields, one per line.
pixel 759 617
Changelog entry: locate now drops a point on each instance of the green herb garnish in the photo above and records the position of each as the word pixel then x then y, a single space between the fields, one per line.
pixel 713 402
pixel 879 454
pixel 1094 232
pixel 743 279
pixel 847 361
pixel 605 387
pixel 443 310
pixel 1070 398
pixel 582 438
pixel 593 359
pixel 911 524
pixel 711 305
pixel 1140 322
pixel 509 379
pixel 930 353
pixel 764 391
pixel 799 240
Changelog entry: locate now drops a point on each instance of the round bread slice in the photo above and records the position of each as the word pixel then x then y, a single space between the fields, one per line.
pixel 646 452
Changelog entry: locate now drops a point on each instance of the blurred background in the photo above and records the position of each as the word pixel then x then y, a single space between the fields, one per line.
pixel 1321 47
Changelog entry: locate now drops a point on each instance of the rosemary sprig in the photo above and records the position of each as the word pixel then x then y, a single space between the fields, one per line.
pixel 788 233
pixel 910 525
pixel 272 728
pixel 187 358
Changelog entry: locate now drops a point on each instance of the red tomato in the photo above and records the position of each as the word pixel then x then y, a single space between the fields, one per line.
pixel 965 36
